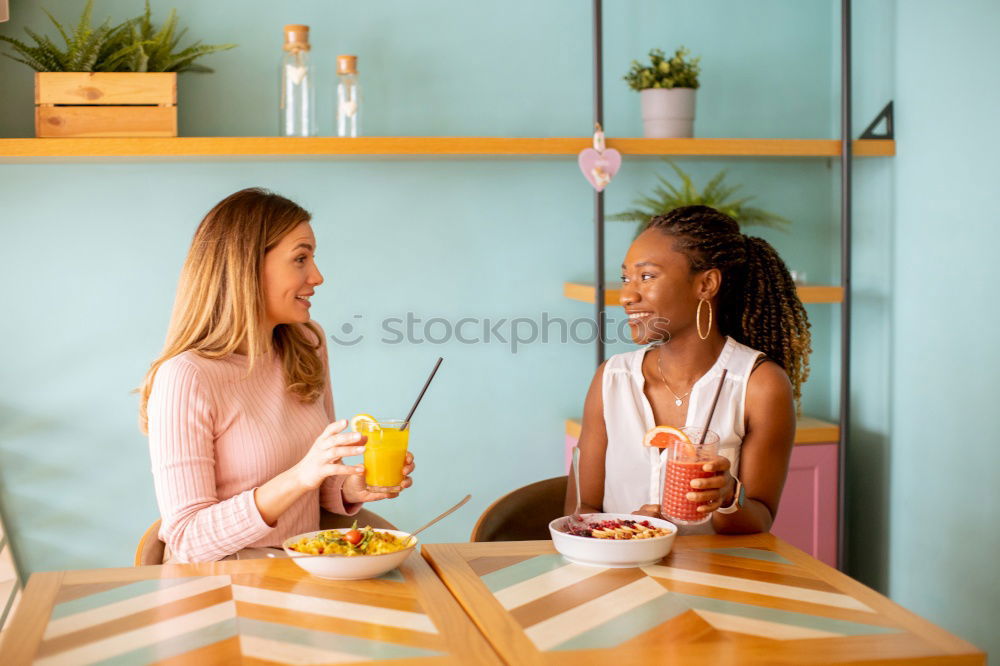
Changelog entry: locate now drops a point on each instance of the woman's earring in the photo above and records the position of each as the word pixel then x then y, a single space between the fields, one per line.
pixel 697 318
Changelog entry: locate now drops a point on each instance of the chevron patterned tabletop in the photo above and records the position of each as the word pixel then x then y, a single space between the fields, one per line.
pixel 265 611
pixel 714 600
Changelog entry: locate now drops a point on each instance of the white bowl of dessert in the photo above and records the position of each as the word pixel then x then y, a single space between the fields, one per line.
pixel 616 540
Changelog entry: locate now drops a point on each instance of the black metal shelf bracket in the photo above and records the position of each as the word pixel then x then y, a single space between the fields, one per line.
pixel 600 315
pixel 886 115
pixel 846 220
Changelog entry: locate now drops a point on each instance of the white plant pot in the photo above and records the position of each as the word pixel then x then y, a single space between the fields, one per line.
pixel 667 113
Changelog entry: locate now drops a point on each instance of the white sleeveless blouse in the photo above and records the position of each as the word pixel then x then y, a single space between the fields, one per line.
pixel 632 476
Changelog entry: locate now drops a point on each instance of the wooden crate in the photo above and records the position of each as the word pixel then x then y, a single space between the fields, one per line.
pixel 105 104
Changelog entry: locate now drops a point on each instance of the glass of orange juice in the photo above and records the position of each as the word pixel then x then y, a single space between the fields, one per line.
pixel 385 454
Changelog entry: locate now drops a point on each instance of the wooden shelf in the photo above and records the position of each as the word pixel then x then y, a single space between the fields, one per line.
pixel 751 147
pixel 287 147
pixel 808 430
pixel 580 291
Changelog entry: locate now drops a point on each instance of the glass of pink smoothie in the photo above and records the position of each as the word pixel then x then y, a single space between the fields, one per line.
pixel 684 462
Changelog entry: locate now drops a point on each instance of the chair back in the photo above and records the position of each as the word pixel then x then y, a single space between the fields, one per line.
pixel 151 549
pixel 523 514
pixel 10 581
pixel 334 521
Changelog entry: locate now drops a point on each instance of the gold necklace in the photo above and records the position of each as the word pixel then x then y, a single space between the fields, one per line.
pixel 678 399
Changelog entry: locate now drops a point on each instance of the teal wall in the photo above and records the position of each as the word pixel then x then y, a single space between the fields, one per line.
pixel 944 485
pixel 92 250
pixel 923 363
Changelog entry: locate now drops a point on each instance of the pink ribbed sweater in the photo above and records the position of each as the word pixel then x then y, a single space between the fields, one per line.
pixel 216 434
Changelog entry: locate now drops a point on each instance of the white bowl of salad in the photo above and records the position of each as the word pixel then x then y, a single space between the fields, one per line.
pixel 617 540
pixel 351 554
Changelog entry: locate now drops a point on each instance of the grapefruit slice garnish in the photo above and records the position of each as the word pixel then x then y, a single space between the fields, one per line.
pixel 369 421
pixel 663 437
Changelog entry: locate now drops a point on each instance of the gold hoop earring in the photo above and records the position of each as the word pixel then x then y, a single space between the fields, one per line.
pixel 697 318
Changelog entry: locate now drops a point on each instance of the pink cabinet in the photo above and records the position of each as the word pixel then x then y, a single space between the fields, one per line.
pixel 568 457
pixel 807 517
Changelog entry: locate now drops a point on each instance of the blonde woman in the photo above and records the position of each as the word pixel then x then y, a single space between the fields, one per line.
pixel 238 407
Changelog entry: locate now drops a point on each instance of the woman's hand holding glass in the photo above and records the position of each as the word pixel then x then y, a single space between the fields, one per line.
pixel 324 457
pixel 714 491
pixel 356 489
pixel 648 510
pixel 711 493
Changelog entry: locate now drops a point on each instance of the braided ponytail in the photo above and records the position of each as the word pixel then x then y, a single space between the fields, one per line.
pixel 759 305
pixel 774 320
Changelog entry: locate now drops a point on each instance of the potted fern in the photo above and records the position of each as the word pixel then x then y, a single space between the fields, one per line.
pixel 718 194
pixel 666 93
pixel 109 80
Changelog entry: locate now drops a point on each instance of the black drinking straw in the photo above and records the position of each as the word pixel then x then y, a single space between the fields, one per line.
pixel 406 423
pixel 711 411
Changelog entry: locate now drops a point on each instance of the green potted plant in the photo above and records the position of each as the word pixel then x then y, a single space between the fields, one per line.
pixel 109 80
pixel 718 194
pixel 666 93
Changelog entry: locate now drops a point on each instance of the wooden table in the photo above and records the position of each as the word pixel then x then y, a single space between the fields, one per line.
pixel 713 600
pixel 240 612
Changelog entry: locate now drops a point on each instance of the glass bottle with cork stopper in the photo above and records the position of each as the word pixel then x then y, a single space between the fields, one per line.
pixel 297 100
pixel 348 96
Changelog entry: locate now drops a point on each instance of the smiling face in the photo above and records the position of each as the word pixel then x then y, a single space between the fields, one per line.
pixel 290 277
pixel 659 292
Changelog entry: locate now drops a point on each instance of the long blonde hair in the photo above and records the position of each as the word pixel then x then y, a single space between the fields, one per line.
pixel 220 297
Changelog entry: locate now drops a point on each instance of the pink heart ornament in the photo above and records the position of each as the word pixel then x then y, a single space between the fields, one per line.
pixel 599 167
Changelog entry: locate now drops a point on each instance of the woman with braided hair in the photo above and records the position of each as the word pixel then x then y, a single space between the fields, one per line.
pixel 700 297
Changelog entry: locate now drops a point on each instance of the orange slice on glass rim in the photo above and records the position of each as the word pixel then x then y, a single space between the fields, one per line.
pixel 663 437
pixel 369 421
